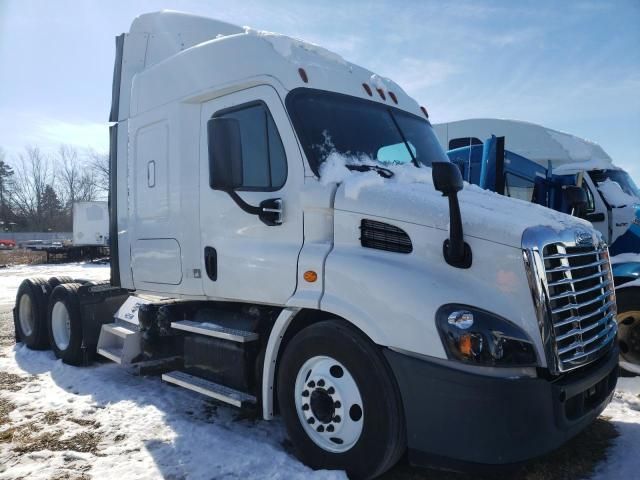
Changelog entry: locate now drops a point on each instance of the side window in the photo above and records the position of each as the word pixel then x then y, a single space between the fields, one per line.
pixel 263 159
pixel 591 204
pixel 463 142
pixel 518 187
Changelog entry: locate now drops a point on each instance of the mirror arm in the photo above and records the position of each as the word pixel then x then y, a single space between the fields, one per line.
pixel 269 211
pixel 250 209
pixel 456 251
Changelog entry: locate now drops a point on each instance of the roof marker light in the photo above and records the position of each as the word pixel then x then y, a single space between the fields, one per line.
pixel 424 110
pixel 303 75
pixel 367 89
pixel 393 97
pixel 381 93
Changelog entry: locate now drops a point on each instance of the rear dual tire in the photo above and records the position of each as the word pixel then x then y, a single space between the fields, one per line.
pixel 64 324
pixel 340 402
pixel 30 313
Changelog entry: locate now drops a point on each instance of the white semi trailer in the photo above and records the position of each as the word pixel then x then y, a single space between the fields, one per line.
pixel 368 301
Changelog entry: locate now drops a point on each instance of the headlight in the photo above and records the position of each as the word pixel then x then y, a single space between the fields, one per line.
pixel 478 337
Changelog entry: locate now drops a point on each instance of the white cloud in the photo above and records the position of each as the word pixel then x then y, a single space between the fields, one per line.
pixel 414 74
pixel 92 135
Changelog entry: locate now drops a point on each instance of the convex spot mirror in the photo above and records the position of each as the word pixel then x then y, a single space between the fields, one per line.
pixel 225 154
pixel 446 177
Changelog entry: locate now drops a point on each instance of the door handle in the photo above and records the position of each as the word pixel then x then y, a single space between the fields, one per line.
pixel 211 263
pixel 271 211
pixel 594 217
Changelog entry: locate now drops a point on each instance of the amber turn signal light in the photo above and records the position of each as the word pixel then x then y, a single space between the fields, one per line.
pixel 310 276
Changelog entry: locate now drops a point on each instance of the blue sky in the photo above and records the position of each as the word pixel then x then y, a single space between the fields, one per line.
pixel 573 66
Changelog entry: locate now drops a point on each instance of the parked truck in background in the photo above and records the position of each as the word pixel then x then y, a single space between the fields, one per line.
pixel 90 236
pixel 287 233
pixel 560 160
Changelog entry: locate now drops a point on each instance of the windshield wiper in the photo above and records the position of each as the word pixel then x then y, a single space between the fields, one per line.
pixel 383 172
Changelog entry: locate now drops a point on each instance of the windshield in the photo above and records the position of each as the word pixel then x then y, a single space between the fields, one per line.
pixel 326 122
pixel 621 177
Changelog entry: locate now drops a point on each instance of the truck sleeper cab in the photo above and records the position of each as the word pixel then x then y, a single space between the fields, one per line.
pixel 280 220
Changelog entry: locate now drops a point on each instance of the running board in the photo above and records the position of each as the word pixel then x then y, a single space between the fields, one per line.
pixel 210 389
pixel 215 330
pixel 119 342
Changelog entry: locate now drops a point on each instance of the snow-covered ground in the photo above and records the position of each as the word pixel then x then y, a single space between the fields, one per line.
pixel 11 277
pixel 62 422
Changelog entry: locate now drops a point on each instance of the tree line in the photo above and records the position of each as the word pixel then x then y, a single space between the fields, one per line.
pixel 38 189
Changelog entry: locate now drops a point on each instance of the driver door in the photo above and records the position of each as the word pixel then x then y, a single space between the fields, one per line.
pixel 242 257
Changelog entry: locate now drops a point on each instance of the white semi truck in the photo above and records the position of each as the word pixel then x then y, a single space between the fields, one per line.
pixel 287 233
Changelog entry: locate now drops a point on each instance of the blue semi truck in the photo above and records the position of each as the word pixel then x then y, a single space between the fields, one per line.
pixel 592 188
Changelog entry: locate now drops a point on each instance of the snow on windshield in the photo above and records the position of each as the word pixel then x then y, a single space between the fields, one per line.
pixel 614 195
pixel 334 170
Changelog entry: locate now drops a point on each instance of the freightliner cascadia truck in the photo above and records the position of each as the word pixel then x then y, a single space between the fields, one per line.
pixel 288 234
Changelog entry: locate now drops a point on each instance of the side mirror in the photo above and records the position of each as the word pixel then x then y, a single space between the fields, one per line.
pixel 446 178
pixel 576 199
pixel 225 154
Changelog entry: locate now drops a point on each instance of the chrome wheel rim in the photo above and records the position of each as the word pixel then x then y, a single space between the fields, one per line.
pixel 60 325
pixel 629 336
pixel 329 404
pixel 26 315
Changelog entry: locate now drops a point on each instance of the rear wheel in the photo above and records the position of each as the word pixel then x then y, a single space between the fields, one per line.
pixel 30 312
pixel 65 323
pixel 339 401
pixel 55 281
pixel 628 317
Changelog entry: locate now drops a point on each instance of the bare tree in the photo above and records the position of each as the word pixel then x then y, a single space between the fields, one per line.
pixel 32 176
pixel 75 178
pixel 99 163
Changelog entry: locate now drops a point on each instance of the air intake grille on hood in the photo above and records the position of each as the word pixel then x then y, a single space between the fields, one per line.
pixel 383 236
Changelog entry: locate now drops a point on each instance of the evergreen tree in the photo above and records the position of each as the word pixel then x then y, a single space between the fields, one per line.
pixel 51 209
pixel 6 179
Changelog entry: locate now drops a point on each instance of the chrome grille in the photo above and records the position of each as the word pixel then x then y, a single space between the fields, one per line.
pixel 573 293
pixel 582 301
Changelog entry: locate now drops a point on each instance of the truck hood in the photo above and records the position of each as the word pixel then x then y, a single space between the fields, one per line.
pixel 410 197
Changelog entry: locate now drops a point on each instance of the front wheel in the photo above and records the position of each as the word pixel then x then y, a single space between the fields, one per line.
pixel 628 317
pixel 339 401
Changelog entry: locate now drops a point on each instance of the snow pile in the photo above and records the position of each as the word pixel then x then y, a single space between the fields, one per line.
pixel 10 278
pixel 578 149
pixel 334 170
pixel 624 412
pixel 614 195
pixel 584 166
pixel 409 196
pixel 296 51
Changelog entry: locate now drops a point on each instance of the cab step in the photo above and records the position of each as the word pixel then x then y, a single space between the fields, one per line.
pixel 215 330
pixel 119 342
pixel 210 389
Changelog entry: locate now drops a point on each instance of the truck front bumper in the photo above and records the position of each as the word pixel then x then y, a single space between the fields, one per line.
pixel 461 420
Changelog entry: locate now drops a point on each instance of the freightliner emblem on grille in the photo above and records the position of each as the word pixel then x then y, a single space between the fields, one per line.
pixel 584 238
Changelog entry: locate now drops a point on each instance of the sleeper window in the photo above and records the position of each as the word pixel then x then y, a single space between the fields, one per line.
pixel 263 159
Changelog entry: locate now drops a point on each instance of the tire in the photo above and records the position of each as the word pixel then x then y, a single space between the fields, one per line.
pixel 628 317
pixel 371 430
pixel 30 313
pixel 64 324
pixel 55 281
